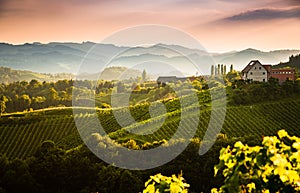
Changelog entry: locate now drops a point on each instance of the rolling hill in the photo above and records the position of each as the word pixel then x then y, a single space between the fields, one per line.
pixel 9 75
pixel 294 62
pixel 89 57
pixel 21 133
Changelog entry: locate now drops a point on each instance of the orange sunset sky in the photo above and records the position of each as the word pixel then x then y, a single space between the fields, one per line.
pixel 219 25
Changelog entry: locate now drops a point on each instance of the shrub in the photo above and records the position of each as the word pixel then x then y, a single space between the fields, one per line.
pixel 272 167
pixel 161 184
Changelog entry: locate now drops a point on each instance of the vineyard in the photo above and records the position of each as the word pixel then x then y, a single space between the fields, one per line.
pixel 256 120
pixel 22 133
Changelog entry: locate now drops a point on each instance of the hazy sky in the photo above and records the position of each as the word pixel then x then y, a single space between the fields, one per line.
pixel 220 25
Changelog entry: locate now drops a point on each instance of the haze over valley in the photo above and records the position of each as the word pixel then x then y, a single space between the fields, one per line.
pixel 87 60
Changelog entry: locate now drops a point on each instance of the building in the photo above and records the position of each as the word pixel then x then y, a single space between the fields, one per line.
pixel 283 74
pixel 255 71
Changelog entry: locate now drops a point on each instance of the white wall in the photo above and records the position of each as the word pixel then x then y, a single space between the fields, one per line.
pixel 257 73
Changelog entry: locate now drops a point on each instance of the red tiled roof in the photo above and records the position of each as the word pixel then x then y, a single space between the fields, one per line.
pixel 268 67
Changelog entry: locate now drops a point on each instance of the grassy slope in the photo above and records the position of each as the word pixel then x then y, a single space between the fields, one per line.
pixel 10 75
pixel 21 133
pixel 256 120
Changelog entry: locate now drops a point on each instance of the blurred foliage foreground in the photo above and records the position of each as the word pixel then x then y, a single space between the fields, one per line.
pixel 273 166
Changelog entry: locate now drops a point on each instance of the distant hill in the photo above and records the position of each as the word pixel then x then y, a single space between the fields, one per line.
pixel 89 57
pixel 294 62
pixel 242 58
pixel 112 73
pixel 9 75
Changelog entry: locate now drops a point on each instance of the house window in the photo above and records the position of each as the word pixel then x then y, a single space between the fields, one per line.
pixel 264 80
pixel 264 73
pixel 250 73
pixel 260 68
pixel 254 68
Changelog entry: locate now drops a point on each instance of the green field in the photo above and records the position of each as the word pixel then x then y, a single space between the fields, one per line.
pixel 22 133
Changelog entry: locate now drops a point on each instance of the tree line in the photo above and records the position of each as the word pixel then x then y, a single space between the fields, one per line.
pixel 245 92
pixel 294 62
pixel 220 69
pixel 19 96
pixel 24 95
pixel 53 169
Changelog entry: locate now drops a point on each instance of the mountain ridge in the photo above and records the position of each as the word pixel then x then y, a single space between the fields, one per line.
pixel 70 57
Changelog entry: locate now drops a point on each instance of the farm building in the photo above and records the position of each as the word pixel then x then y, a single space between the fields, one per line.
pixel 255 71
pixel 283 74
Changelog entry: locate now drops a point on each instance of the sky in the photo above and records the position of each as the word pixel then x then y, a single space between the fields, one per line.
pixel 219 25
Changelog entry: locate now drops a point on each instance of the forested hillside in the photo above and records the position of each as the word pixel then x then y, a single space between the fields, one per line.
pixel 294 62
pixel 39 141
pixel 60 163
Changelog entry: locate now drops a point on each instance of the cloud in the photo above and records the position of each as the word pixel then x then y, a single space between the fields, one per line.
pixel 16 8
pixel 292 2
pixel 266 14
pixel 267 3
pixel 3 4
pixel 13 8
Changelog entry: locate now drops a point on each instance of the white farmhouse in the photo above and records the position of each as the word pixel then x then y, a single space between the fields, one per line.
pixel 255 71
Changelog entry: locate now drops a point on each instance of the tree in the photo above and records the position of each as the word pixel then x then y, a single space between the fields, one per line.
pixel 219 69
pixel 52 95
pixel 197 84
pixel 3 101
pixel 144 75
pixel 61 85
pixel 3 168
pixel 222 69
pixel 80 173
pixel 25 101
pixel 48 167
pixel 231 68
pixel 129 182
pixel 160 183
pixel 212 70
pixel 38 102
pixel 17 177
pixel 34 83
